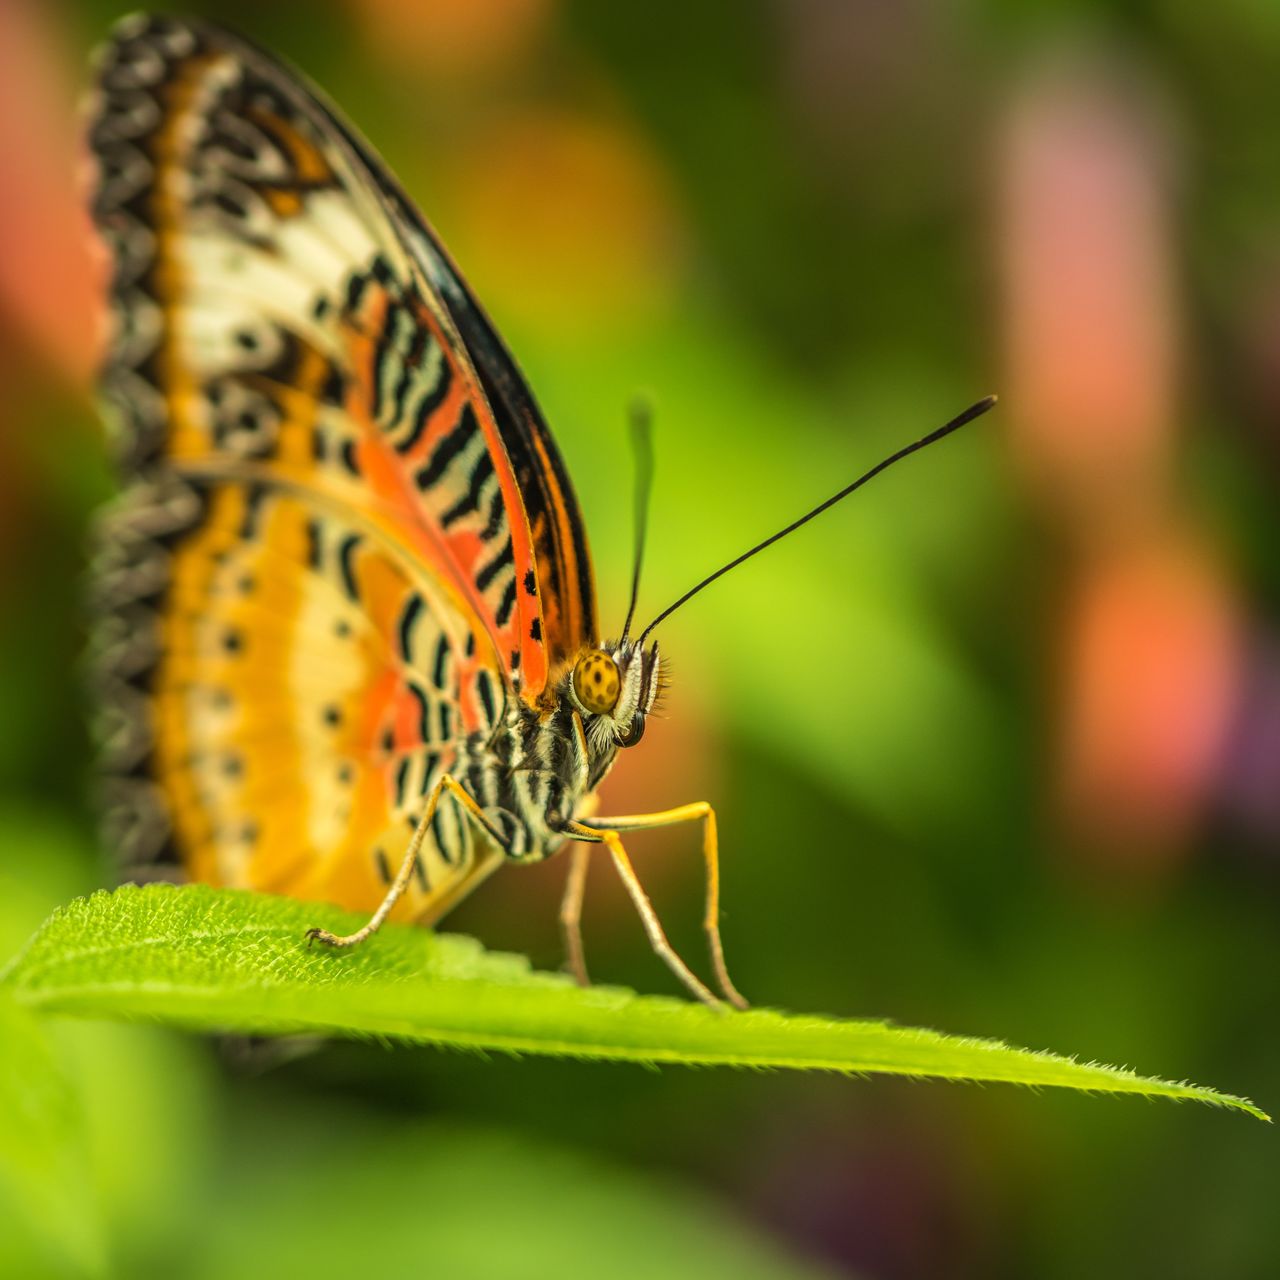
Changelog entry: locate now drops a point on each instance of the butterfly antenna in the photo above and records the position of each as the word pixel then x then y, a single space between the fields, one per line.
pixel 963 419
pixel 641 416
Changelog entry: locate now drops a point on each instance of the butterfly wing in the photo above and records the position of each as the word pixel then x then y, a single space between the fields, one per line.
pixel 559 534
pixel 322 575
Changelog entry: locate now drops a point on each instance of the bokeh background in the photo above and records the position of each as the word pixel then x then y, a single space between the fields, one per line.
pixel 995 747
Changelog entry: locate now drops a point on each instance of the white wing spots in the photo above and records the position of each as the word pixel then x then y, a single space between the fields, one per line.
pixel 236 287
pixel 222 336
pixel 328 240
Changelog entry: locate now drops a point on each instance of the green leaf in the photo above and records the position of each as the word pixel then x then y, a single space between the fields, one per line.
pixel 218 959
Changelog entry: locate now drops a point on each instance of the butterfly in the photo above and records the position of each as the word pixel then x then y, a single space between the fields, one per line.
pixel 347 640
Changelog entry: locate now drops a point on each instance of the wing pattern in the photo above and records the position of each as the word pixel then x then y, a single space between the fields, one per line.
pixel 346 537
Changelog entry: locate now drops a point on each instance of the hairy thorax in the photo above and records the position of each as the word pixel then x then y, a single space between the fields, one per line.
pixel 534 774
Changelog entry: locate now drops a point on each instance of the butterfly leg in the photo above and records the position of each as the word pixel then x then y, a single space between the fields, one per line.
pixel 403 876
pixel 571 914
pixel 700 811
pixel 648 917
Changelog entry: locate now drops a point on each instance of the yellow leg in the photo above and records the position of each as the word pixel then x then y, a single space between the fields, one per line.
pixel 699 811
pixel 571 913
pixel 401 882
pixel 649 918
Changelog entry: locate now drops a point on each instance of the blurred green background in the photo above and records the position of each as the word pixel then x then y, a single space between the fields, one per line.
pixel 995 747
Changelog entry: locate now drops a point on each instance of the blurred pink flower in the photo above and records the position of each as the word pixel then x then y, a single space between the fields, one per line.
pixel 1151 647
pixel 1090 310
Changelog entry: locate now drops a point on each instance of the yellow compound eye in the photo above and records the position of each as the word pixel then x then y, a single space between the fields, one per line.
pixel 596 682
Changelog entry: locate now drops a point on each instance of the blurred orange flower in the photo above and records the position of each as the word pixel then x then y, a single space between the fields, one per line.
pixel 567 218
pixel 1153 664
pixel 453 36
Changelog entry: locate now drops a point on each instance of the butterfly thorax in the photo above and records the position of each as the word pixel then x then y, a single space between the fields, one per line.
pixel 542 772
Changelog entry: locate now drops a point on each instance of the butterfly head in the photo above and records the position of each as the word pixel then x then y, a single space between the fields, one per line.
pixel 615 687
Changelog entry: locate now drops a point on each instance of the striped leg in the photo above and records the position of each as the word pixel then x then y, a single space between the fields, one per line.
pixel 401 882
pixel 699 811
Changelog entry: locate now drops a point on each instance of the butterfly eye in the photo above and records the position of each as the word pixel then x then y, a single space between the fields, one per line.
pixel 597 683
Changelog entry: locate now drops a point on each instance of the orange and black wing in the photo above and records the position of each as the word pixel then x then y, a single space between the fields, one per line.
pixel 559 535
pixel 345 539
